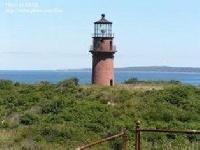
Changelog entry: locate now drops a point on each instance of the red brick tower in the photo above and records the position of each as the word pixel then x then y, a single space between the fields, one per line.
pixel 103 53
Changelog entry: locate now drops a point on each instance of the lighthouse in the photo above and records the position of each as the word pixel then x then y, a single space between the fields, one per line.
pixel 103 51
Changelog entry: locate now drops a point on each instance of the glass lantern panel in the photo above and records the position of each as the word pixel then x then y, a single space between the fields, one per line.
pixel 103 30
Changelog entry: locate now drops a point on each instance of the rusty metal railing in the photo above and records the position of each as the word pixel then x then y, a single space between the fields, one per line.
pixel 99 49
pixel 122 134
pixel 103 35
pixel 138 130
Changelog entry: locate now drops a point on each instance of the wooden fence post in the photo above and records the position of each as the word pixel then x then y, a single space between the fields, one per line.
pixel 137 136
pixel 125 139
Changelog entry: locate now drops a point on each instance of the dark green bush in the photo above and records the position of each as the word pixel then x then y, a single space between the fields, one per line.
pixel 53 106
pixel 28 119
pixel 131 80
pixel 68 82
pixel 6 85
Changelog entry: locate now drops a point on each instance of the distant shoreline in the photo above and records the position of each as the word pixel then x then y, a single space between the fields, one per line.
pixel 150 69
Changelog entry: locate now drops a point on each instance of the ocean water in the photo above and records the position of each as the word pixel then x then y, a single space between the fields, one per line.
pixel 85 77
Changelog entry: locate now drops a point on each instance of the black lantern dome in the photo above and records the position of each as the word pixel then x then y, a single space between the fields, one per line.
pixel 103 27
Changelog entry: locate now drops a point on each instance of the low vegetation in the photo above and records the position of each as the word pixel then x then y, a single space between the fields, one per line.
pixel 66 115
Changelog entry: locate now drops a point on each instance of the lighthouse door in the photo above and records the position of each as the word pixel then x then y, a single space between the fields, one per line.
pixel 111 82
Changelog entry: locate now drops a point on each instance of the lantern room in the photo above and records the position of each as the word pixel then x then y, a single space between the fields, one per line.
pixel 103 27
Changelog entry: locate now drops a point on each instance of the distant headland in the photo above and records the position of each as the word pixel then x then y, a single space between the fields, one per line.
pixel 150 68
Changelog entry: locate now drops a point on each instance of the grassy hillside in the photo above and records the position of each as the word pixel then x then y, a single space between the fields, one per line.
pixel 66 115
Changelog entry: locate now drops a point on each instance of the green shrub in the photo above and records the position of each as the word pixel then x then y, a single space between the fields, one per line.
pixel 53 106
pixel 6 85
pixel 131 81
pixel 68 82
pixel 28 119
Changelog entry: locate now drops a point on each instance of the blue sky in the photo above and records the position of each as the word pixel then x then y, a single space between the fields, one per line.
pixel 147 33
